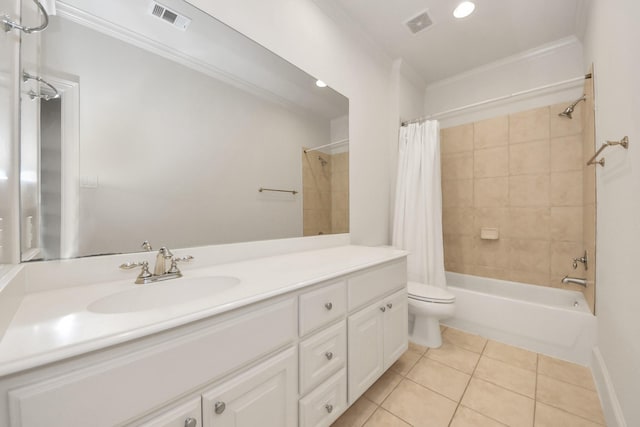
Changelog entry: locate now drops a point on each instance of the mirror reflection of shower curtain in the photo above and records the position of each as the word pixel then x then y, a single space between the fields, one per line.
pixel 417 225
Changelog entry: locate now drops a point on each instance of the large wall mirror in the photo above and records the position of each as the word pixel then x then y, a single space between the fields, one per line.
pixel 146 120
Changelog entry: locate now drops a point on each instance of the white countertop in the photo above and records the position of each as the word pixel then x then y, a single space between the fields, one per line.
pixel 53 325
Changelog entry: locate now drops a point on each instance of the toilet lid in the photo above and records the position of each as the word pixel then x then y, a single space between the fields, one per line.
pixel 430 293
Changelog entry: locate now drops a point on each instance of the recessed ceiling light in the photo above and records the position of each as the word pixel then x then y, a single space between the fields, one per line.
pixel 320 83
pixel 464 9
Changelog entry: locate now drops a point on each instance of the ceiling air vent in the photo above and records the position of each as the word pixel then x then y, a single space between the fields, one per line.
pixel 419 23
pixel 169 16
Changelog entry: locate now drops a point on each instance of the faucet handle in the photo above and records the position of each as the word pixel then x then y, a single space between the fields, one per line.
pixel 174 263
pixel 144 274
pixel 130 265
pixel 146 246
pixel 584 260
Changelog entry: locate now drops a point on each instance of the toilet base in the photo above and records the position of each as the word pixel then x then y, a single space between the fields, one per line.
pixel 426 332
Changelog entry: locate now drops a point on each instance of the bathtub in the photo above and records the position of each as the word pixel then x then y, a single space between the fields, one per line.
pixel 550 321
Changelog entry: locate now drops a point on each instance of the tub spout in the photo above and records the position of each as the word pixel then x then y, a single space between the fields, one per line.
pixel 575 280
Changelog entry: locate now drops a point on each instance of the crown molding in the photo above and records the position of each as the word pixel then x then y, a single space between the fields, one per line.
pixel 527 55
pixel 354 29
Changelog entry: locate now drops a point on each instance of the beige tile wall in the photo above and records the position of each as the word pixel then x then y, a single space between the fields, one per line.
pixel 340 193
pixel 325 192
pixel 524 175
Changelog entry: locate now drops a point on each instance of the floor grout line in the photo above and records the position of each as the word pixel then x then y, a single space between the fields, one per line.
pixel 467 386
pixel 569 383
pixel 570 413
pixel 426 355
pixel 535 390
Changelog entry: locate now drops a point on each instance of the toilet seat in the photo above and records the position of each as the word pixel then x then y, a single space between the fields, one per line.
pixel 430 293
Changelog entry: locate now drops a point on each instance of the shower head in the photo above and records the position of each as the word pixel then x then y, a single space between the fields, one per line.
pixel 569 110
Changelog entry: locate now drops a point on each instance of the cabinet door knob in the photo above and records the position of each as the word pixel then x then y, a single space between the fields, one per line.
pixel 328 306
pixel 328 355
pixel 383 309
pixel 389 305
pixel 190 422
pixel 328 407
pixel 219 407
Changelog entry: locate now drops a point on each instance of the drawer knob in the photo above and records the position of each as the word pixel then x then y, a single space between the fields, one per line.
pixel 328 407
pixel 383 309
pixel 328 306
pixel 219 407
pixel 328 355
pixel 190 422
pixel 389 305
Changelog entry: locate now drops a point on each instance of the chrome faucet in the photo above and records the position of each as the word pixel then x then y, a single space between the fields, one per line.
pixel 575 280
pixel 163 255
pixel 160 271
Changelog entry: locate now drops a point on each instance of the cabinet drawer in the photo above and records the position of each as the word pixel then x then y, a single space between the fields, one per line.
pixel 322 406
pixel 322 306
pixel 321 355
pixel 376 282
pixel 179 416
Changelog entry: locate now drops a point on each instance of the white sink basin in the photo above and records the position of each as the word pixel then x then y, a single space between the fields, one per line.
pixel 162 294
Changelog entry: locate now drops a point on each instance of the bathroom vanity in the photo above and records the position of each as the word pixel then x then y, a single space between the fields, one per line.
pixel 296 341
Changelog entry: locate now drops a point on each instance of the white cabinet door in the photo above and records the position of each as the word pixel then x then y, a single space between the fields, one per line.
pixel 186 415
pixel 365 353
pixel 395 327
pixel 265 396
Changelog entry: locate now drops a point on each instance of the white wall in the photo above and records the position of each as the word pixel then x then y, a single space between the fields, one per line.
pixel 611 44
pixel 178 156
pixel 302 33
pixel 544 65
pixel 407 102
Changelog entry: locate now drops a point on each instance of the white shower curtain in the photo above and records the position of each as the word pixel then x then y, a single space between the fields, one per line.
pixel 417 225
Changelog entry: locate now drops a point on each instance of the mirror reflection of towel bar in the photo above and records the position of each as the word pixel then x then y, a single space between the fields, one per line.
pixel 8 24
pixel 279 191
pixel 33 95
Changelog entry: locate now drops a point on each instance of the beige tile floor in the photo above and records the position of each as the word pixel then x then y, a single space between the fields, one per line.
pixel 474 382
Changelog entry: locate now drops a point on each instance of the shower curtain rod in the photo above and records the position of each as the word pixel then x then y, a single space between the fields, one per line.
pixel 326 145
pixel 500 98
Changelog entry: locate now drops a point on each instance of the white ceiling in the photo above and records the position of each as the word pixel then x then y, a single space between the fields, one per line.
pixel 497 29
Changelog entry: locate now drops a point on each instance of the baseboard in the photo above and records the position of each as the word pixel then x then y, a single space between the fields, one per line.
pixel 610 405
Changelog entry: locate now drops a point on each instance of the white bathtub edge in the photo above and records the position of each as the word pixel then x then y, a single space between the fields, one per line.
pixel 608 398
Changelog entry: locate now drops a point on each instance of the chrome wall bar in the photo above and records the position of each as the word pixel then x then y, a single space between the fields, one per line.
pixel 33 95
pixel 9 24
pixel 624 142
pixel 344 141
pixel 261 189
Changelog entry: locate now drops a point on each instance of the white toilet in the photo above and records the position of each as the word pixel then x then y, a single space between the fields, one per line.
pixel 429 304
